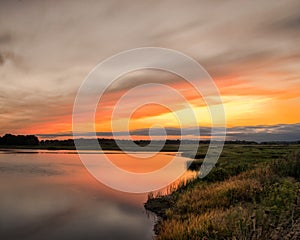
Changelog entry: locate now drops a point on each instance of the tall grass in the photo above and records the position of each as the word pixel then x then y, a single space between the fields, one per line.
pixel 260 202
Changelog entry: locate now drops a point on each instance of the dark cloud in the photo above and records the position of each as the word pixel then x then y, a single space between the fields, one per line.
pixel 288 24
pixel 5 38
pixel 239 59
pixel 294 23
pixel 1 59
pixel 279 132
pixel 9 56
pixel 260 133
pixel 56 135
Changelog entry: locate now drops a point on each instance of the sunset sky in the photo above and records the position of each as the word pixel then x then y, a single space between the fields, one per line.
pixel 250 48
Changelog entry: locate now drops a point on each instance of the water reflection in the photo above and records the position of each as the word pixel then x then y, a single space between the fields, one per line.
pixel 52 196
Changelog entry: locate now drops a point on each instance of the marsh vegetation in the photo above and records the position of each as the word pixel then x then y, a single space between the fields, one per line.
pixel 252 193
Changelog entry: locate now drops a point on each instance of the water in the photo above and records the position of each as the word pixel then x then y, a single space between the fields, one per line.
pixel 50 195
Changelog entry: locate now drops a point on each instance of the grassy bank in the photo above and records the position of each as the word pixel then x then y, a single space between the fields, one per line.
pixel 252 193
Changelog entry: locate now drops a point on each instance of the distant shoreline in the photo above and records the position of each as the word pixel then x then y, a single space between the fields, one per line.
pixel 32 142
pixel 168 147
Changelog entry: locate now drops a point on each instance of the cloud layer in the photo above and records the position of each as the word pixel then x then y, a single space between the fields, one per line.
pixel 251 49
pixel 261 133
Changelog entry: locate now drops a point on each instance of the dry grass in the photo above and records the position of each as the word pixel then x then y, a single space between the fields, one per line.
pixel 260 203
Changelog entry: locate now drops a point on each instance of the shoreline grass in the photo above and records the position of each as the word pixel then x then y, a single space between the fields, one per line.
pixel 250 194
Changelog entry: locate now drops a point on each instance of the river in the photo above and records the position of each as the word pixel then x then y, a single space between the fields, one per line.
pixel 50 195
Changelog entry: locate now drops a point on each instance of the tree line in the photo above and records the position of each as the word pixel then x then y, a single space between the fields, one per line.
pixel 9 139
pixel 32 140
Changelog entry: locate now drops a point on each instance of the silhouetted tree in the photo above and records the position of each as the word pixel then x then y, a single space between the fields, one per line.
pixel 9 139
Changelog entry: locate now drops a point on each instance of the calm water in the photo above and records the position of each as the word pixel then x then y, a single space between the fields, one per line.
pixel 50 195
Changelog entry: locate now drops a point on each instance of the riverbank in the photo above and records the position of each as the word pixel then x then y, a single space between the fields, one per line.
pixel 252 193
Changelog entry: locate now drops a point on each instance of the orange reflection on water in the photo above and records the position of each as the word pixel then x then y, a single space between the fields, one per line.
pixel 140 165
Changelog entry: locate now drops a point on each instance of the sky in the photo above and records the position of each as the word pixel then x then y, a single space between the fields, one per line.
pixel 250 48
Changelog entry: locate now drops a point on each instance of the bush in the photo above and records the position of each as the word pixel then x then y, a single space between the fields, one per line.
pixel 288 166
